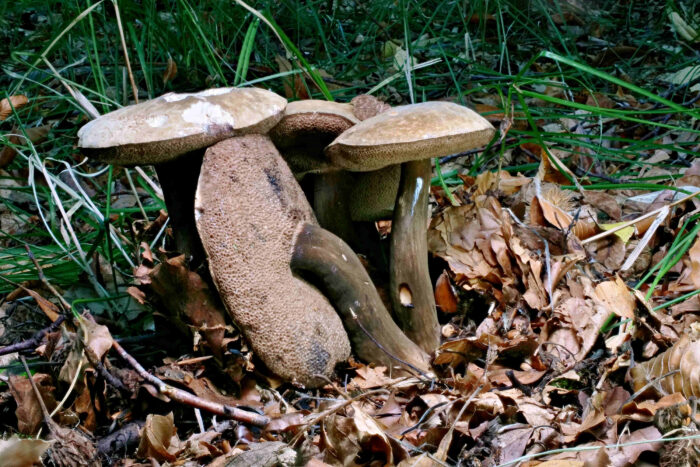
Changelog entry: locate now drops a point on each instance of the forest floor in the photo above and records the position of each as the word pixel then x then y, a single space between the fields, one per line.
pixel 564 254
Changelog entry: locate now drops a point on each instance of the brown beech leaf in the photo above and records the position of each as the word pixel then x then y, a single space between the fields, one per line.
pixel 18 101
pixel 22 452
pixel 159 440
pixel 445 296
pixel 616 297
pixel 97 337
pixel 684 357
pixel 28 413
pixel 186 295
pixel 170 70
pixel 694 255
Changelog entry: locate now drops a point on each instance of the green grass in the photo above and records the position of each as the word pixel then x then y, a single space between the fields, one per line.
pixel 510 54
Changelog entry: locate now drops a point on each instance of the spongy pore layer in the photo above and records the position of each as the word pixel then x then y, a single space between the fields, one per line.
pixel 249 210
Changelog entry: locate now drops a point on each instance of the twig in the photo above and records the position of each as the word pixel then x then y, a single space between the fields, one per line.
pixel 624 225
pixel 186 398
pixel 383 349
pixel 44 410
pixel 315 419
pixel 42 277
pixel 33 341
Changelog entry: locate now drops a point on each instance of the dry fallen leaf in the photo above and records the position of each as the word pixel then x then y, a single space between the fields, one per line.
pixel 159 439
pixel 22 452
pixel 6 105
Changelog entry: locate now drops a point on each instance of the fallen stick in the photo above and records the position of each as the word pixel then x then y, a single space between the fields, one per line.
pixel 186 398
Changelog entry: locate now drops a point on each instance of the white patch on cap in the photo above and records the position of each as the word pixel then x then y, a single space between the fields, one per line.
pixel 205 113
pixel 173 97
pixel 157 121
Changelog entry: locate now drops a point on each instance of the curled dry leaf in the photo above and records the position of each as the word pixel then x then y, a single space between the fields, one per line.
pixel 97 337
pixel 616 297
pixel 170 70
pixel 684 357
pixel 445 296
pixel 28 413
pixel 8 103
pixel 188 297
pixel 18 452
pixel 159 440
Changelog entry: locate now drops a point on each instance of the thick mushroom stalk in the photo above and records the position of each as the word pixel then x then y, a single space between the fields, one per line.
pixel 406 135
pixel 257 229
pixel 412 295
pixel 327 261
pixel 248 210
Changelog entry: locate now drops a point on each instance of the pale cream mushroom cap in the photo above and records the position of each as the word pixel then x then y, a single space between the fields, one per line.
pixel 161 129
pixel 409 132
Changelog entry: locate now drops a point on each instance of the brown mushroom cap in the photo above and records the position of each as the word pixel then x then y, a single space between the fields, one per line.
pixel 366 106
pixel 161 129
pixel 312 119
pixel 409 132
pixel 249 210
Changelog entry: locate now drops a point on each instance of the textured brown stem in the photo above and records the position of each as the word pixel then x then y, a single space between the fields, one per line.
pixel 178 179
pixel 411 289
pixel 337 271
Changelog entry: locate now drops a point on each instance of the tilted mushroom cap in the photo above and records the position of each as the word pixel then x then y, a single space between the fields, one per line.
pixel 249 232
pixel 312 118
pixel 173 124
pixel 409 132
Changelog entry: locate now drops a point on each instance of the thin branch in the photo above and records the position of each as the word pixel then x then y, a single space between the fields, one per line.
pixel 186 398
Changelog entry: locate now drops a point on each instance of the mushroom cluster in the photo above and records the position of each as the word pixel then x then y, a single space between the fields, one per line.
pixel 227 161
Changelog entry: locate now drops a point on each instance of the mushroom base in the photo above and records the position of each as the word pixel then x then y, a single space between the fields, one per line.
pixel 328 262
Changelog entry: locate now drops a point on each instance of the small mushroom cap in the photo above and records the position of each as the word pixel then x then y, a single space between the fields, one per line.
pixel 374 194
pixel 409 132
pixel 161 129
pixel 314 119
pixel 249 211
pixel 366 106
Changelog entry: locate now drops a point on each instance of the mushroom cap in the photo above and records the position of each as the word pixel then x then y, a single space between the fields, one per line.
pixel 366 106
pixel 173 124
pixel 249 211
pixel 312 119
pixel 374 194
pixel 409 132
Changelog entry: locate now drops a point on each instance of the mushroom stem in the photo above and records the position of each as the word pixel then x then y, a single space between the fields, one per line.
pixel 337 271
pixel 331 206
pixel 178 179
pixel 411 293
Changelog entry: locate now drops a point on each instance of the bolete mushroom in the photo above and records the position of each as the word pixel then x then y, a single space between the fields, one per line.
pixel 170 132
pixel 411 135
pixel 306 128
pixel 261 237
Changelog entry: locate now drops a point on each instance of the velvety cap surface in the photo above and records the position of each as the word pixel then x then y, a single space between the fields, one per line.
pixel 172 124
pixel 409 132
pixel 249 210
